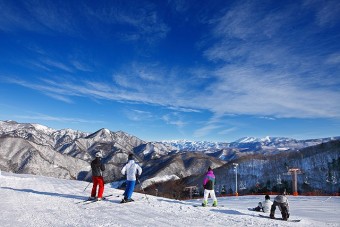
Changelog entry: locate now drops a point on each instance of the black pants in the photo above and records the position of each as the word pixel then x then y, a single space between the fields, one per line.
pixel 284 208
pixel 257 208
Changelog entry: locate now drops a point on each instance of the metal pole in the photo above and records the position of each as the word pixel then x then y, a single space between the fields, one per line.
pixel 87 186
pixel 236 182
pixel 235 167
pixel 295 191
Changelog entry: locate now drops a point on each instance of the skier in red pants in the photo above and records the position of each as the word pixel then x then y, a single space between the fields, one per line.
pixel 97 177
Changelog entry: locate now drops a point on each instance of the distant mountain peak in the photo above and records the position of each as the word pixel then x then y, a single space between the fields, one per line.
pixel 247 140
pixel 266 139
pixel 43 128
pixel 11 122
pixel 102 133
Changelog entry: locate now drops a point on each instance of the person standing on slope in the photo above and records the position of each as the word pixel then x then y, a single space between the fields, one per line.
pixel 97 177
pixel 132 170
pixel 282 202
pixel 208 185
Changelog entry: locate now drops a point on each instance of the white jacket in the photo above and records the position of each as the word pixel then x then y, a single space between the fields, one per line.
pixel 131 169
pixel 266 205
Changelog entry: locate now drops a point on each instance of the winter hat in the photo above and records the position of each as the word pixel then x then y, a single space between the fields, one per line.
pixel 283 191
pixel 267 197
pixel 130 157
pixel 99 155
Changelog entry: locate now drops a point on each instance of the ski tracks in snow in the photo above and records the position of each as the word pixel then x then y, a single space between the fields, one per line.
pixel 42 201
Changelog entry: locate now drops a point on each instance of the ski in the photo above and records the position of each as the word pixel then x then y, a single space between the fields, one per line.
pixel 107 196
pixel 127 201
pixel 84 201
pixel 94 200
pixel 289 220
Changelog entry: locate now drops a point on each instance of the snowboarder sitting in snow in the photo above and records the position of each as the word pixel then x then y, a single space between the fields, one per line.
pixel 132 170
pixel 282 202
pixel 208 185
pixel 264 206
pixel 97 177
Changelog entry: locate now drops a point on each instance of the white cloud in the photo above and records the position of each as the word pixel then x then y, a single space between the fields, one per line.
pixel 334 59
pixel 227 131
pixel 81 66
pixel 235 89
pixel 259 75
pixel 40 116
pixel 326 12
pixel 57 64
pixel 78 19
pixel 138 115
pixel 11 21
pixel 206 130
pixel 59 97
pixel 257 92
pixel 259 70
pixel 141 22
pixel 182 109
pixel 174 118
pixel 248 20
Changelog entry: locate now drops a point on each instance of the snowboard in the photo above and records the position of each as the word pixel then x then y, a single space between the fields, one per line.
pixel 289 220
pixel 253 209
pixel 195 205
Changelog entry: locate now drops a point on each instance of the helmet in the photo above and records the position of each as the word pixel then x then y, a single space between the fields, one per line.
pixel 99 155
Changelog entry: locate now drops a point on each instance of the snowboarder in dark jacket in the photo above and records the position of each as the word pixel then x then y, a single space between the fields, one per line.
pixel 97 177
pixel 282 202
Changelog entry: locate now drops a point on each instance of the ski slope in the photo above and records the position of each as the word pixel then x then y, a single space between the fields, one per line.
pixel 28 200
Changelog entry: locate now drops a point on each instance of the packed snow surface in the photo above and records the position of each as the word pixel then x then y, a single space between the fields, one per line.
pixel 28 200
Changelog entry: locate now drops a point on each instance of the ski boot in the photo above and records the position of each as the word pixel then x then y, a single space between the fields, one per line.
pixel 215 203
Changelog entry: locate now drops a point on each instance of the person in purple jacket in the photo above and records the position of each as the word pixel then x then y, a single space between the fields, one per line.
pixel 208 185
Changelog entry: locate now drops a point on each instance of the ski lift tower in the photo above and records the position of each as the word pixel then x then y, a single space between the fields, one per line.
pixel 191 189
pixel 235 169
pixel 294 172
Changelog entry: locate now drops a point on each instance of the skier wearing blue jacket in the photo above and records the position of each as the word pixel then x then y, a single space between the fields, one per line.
pixel 131 170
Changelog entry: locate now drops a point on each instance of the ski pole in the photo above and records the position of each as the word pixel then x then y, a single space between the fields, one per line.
pixel 87 186
pixel 143 191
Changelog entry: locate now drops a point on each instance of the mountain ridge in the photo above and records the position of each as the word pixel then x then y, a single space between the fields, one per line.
pixel 161 161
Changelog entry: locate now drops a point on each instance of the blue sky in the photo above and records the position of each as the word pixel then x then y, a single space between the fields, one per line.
pixel 163 70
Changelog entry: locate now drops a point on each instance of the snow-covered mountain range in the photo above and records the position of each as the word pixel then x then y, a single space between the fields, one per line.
pixel 247 144
pixel 66 153
pixel 24 148
pixel 318 171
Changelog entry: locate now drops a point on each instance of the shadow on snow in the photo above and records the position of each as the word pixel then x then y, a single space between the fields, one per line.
pixel 47 193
